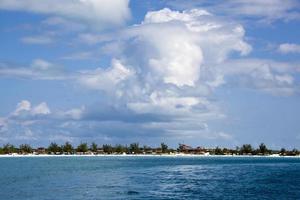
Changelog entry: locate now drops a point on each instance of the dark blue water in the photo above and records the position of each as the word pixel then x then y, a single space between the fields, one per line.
pixel 149 178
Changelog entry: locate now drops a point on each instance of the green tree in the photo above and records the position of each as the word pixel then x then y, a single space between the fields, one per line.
pixel 68 148
pixel 1 150
pixel 54 148
pixel 146 148
pixel 94 147
pixel 82 147
pixel 226 151
pixel 107 148
pixel 120 149
pixel 295 152
pixel 25 148
pixel 246 149
pixel 218 151
pixel 9 148
pixel 263 149
pixel 134 148
pixel 282 152
pixel 180 147
pixel 164 148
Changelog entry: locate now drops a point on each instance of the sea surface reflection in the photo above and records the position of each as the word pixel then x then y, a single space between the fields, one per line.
pixel 149 178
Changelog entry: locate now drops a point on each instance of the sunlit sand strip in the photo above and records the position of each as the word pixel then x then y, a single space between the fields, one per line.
pixel 142 155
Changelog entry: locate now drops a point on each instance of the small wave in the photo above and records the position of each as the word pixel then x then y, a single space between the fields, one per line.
pixel 131 192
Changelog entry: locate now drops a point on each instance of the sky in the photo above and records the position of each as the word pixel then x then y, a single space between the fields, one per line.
pixel 200 72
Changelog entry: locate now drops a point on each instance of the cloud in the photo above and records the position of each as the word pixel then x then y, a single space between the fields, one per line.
pixel 37 123
pixel 39 69
pixel 41 109
pixel 160 81
pixel 269 9
pixel 160 70
pixel 287 48
pixel 262 74
pixel 97 13
pixel 41 64
pixel 92 39
pixel 85 55
pixel 37 40
pixel 54 30
pixel 265 11
pixel 24 108
pixel 62 24
pixel 175 45
pixel 105 79
pixel 74 113
pixel 3 125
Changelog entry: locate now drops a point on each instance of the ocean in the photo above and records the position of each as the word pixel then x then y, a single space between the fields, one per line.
pixel 71 178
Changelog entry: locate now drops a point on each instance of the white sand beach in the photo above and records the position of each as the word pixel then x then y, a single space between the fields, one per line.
pixel 140 155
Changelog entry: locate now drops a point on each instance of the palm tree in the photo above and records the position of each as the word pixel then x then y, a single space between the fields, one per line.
pixel 107 148
pixel 246 149
pixel 218 151
pixel 263 149
pixel 181 147
pixel 164 148
pixel 134 148
pixel 68 148
pixel 25 148
pixel 94 147
pixel 120 149
pixel 54 148
pixel 82 147
pixel 9 148
pixel 295 152
pixel 282 152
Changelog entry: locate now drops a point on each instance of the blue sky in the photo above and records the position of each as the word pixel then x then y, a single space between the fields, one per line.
pixel 200 72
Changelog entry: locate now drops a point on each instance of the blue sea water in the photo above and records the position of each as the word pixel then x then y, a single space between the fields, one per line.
pixel 74 178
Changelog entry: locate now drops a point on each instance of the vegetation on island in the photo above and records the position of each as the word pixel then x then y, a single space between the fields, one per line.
pixel 134 148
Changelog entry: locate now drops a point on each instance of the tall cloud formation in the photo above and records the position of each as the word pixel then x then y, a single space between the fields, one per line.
pixel 171 47
pixel 93 12
pixel 163 68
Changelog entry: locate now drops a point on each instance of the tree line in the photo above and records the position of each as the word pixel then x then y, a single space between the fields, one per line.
pixel 55 148
pixel 135 148
pixel 247 149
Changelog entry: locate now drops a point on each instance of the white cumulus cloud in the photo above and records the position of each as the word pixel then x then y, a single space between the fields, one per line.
pixel 24 105
pixel 105 79
pixel 162 64
pixel 41 109
pixel 25 108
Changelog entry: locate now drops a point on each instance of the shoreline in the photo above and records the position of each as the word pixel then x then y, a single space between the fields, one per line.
pixel 145 155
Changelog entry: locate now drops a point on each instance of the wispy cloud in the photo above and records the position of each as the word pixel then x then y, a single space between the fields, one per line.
pixel 39 69
pixel 269 76
pixel 287 48
pixel 265 11
pixel 37 40
pixel 96 13
pixel 84 55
